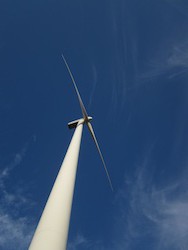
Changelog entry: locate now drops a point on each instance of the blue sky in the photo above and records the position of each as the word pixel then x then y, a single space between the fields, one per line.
pixel 130 62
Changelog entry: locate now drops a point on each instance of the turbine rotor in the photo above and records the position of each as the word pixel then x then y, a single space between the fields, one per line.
pixel 86 119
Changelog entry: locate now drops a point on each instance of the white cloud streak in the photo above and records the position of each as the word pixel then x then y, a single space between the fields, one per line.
pixel 157 217
pixel 83 243
pixel 79 241
pixel 15 228
pixel 147 216
pixel 4 173
pixel 95 77
pixel 15 233
pixel 166 58
pixel 173 62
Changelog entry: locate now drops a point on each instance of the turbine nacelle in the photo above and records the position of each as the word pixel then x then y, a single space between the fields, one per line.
pixel 74 123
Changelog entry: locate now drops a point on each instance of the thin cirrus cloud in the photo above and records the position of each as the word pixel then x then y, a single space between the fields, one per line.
pixel 146 217
pixel 166 55
pixel 16 230
pixel 171 62
pixel 95 78
pixel 157 217
pixel 78 242
pixel 15 233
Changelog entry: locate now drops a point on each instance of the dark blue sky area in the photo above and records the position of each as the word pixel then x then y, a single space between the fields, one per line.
pixel 130 62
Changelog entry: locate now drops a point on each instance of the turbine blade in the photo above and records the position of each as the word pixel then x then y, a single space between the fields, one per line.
pixel 101 156
pixel 84 112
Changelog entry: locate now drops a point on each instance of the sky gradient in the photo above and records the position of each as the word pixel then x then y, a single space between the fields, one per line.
pixel 130 61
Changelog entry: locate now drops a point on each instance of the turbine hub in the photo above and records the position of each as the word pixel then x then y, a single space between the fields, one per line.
pixel 88 119
pixel 74 123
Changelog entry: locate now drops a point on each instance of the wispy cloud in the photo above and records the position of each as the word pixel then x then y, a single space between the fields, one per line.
pixel 172 62
pixel 17 159
pixel 78 242
pixel 125 60
pixel 165 56
pixel 95 76
pixel 181 6
pixel 16 228
pixel 15 233
pixel 157 217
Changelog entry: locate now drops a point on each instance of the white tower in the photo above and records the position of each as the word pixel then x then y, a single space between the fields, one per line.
pixel 52 230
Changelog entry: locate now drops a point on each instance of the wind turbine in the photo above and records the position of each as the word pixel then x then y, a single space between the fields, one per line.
pixel 52 230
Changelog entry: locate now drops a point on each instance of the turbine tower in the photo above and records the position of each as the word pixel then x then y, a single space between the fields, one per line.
pixel 52 230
